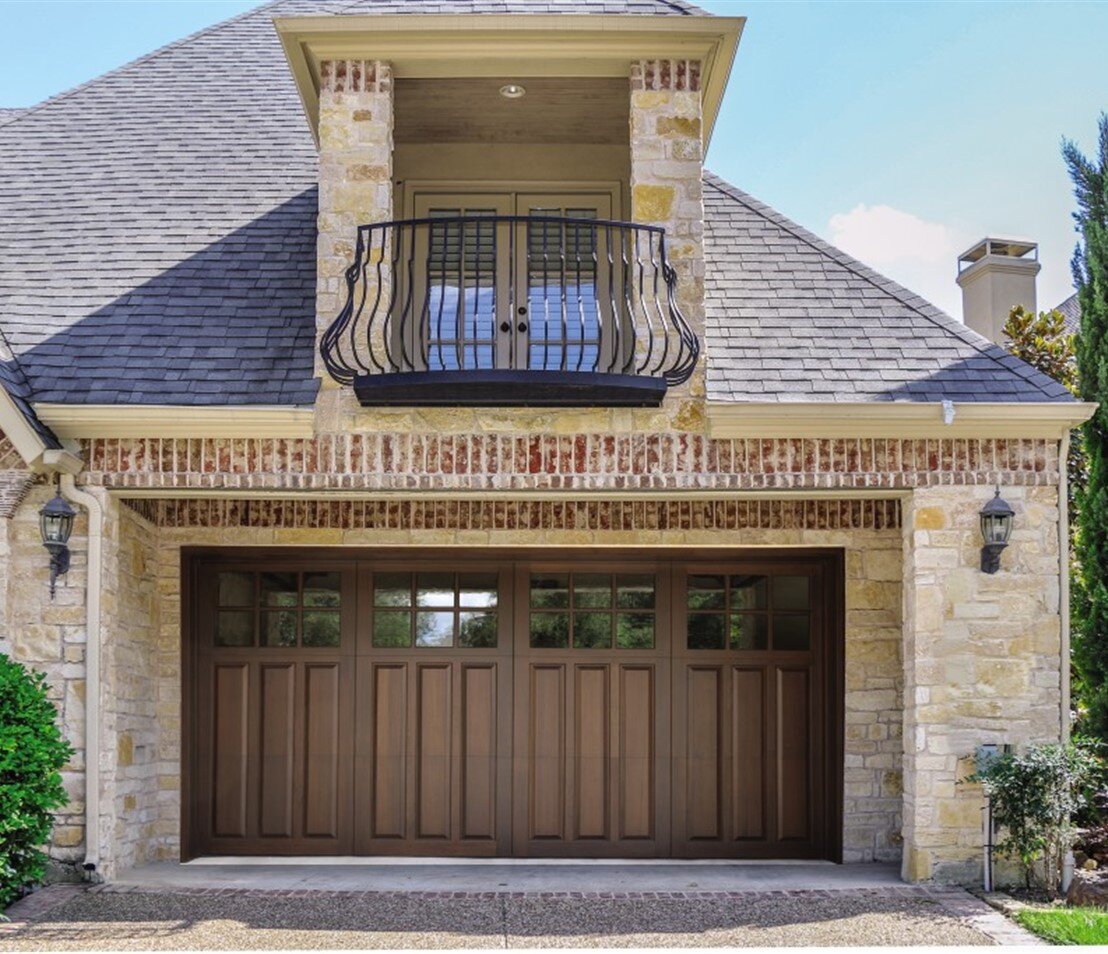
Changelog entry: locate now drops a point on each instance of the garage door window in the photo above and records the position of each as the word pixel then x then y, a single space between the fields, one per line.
pixel 435 610
pixel 278 609
pixel 592 610
pixel 749 612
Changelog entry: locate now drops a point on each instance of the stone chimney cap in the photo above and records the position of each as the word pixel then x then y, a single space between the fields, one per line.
pixel 1023 249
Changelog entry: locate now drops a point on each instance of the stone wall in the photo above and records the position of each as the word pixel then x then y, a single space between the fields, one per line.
pixel 666 183
pixel 982 656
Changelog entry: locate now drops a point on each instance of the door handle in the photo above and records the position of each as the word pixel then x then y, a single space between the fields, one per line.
pixel 523 326
pixel 505 326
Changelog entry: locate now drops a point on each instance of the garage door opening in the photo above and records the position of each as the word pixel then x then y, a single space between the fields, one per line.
pixel 581 704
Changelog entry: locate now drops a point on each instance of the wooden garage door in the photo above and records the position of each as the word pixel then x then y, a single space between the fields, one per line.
pixel 457 704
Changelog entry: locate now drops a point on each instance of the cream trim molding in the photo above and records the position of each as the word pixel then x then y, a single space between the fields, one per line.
pixel 515 45
pixel 30 445
pixel 897 419
pixel 74 421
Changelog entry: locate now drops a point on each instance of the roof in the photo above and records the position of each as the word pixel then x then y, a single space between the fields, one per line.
pixel 157 246
pixel 1071 311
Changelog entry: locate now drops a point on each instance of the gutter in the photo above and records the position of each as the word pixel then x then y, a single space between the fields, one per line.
pixel 92 669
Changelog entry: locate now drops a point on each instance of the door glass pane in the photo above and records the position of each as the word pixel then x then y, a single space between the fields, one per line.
pixel 392 628
pixel 550 630
pixel 748 592
pixel 790 592
pixel 477 589
pixel 477 630
pixel 392 589
pixel 435 589
pixel 435 629
pixel 635 630
pixel 461 290
pixel 321 628
pixel 322 589
pixel 279 589
pixel 279 628
pixel 236 589
pixel 635 592
pixel 707 592
pixel 791 631
pixel 235 629
pixel 592 590
pixel 592 630
pixel 749 631
pixel 706 631
pixel 550 591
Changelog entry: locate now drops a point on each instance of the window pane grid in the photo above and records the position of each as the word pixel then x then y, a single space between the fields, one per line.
pixel 282 609
pixel 592 611
pixel 435 610
pixel 749 612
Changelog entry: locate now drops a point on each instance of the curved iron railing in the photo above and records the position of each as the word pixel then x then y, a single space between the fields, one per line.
pixel 510 293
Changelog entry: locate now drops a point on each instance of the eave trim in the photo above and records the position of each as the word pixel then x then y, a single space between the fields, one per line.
pixel 76 421
pixel 897 419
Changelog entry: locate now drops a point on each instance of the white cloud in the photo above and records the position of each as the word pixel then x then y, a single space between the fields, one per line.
pixel 921 255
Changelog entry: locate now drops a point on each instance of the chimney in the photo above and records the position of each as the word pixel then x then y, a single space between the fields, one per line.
pixel 995 275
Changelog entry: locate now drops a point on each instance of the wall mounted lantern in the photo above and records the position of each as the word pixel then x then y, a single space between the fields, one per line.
pixel 996 528
pixel 55 521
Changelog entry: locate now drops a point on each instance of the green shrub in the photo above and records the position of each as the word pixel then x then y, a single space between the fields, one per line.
pixel 32 751
pixel 1036 796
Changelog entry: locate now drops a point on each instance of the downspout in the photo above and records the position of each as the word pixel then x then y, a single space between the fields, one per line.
pixel 1064 610
pixel 92 669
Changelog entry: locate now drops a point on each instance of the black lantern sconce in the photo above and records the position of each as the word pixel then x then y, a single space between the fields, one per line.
pixel 996 529
pixel 55 521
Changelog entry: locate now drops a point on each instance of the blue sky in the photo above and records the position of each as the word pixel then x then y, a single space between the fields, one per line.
pixel 902 131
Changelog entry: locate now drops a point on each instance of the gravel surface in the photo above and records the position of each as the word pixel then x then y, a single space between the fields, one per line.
pixel 181 922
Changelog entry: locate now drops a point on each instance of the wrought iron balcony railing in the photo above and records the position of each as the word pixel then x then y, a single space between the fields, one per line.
pixel 510 310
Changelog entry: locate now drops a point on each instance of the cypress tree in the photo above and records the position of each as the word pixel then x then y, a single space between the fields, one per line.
pixel 1090 272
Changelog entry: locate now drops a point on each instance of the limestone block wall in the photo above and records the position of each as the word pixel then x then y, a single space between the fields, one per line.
pixel 666 186
pixel 355 185
pixel 982 662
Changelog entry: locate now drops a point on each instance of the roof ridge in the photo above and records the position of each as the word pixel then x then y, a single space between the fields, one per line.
pixel 905 296
pixel 66 93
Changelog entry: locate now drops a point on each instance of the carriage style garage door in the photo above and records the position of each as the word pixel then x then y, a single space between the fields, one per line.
pixel 464 703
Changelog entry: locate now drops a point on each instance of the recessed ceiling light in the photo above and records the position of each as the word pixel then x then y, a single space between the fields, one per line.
pixel 512 91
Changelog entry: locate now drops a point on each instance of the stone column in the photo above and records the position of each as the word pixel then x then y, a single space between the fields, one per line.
pixel 666 184
pixel 981 662
pixel 355 181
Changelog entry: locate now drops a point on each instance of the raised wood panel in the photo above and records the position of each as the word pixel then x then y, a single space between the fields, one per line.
pixel 277 720
pixel 636 767
pixel 748 753
pixel 591 744
pixel 547 752
pixel 479 751
pixel 322 731
pixel 793 730
pixel 704 769
pixel 390 733
pixel 230 749
pixel 433 781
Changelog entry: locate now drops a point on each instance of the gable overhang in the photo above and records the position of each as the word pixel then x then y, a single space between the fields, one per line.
pixel 511 45
pixel 898 419
pixel 29 443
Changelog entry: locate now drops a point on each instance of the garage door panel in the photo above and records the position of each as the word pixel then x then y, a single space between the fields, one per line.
pixel 479 762
pixel 704 753
pixel 637 766
pixel 386 771
pixel 277 770
pixel 591 709
pixel 433 743
pixel 545 768
pixel 748 753
pixel 230 750
pixel 793 763
pixel 324 766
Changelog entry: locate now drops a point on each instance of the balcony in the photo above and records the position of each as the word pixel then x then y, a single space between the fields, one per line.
pixel 510 310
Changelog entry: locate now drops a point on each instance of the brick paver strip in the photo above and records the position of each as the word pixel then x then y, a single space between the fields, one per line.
pixel 37 904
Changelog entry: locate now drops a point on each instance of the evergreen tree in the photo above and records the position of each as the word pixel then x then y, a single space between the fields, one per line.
pixel 1090 271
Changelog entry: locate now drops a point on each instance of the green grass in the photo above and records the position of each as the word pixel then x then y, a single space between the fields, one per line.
pixel 1067 925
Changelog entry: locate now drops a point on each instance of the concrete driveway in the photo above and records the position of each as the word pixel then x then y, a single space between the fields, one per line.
pixel 132 917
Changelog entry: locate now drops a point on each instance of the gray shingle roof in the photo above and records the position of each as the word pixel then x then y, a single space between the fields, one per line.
pixel 157 246
pixel 1071 311
pixel 8 113
pixel 791 318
